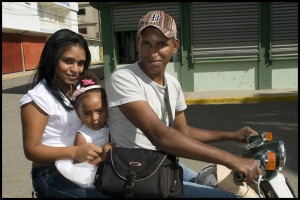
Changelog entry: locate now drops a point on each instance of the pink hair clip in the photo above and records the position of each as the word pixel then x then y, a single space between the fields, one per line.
pixel 81 90
pixel 88 82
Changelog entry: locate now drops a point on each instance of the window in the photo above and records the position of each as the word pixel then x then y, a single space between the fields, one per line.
pixel 81 11
pixel 126 47
pixel 83 30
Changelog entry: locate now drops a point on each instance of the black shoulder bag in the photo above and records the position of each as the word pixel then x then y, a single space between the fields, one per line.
pixel 138 173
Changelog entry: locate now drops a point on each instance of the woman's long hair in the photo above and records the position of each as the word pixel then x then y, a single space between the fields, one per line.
pixel 57 44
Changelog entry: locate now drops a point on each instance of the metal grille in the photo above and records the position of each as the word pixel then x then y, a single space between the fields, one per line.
pixel 284 29
pixel 225 30
pixel 126 17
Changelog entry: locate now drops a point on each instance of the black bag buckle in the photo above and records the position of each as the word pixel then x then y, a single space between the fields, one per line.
pixel 129 184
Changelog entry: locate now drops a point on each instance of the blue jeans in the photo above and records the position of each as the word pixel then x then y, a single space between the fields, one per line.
pixel 49 183
pixel 195 190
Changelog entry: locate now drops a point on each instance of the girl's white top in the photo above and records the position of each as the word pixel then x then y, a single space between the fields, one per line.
pixel 83 174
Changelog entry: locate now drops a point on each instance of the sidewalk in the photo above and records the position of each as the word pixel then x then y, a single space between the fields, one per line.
pixel 241 96
pixel 217 97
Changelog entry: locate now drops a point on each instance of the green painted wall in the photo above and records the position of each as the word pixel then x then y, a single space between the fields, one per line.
pixel 225 76
pixel 284 74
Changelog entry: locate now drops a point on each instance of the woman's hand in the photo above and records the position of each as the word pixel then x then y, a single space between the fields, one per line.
pixel 87 152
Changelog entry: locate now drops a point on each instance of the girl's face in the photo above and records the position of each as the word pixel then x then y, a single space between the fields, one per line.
pixel 92 111
pixel 70 65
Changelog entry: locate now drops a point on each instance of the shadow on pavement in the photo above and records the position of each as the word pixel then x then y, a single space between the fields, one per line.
pixel 280 118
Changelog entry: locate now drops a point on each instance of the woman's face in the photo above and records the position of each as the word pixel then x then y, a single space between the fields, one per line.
pixel 70 65
pixel 92 111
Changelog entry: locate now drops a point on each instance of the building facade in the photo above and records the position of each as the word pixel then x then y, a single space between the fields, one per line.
pixel 26 26
pixel 224 45
pixel 88 26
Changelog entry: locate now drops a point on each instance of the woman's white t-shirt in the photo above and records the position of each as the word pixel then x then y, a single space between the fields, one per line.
pixel 62 125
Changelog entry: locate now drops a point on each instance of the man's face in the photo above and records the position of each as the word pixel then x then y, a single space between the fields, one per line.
pixel 155 51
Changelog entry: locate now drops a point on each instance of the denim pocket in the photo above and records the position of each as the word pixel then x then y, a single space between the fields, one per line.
pixel 44 174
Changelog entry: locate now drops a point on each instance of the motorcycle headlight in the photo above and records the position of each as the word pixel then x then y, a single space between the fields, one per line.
pixel 275 156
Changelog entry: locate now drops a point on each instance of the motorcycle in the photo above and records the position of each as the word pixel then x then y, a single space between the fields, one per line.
pixel 270 155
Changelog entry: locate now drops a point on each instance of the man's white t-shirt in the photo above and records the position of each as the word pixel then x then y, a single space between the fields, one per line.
pixel 129 84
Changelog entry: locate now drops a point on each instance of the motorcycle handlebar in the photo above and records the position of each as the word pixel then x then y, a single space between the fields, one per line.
pixel 239 177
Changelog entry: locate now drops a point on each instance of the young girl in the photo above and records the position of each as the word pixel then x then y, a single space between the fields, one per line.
pixel 89 100
pixel 49 121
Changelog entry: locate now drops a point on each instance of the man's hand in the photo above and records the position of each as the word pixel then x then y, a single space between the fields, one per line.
pixel 243 133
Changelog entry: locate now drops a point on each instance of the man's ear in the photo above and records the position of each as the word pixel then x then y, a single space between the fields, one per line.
pixel 176 46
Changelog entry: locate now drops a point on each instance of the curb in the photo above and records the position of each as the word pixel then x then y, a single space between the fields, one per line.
pixel 240 100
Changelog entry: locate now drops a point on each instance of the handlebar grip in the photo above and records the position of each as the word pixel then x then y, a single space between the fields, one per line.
pixel 238 176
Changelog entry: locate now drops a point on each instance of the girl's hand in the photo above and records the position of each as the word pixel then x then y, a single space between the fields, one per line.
pixel 105 149
pixel 102 157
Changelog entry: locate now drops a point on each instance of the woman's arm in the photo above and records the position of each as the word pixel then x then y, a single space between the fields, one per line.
pixel 34 121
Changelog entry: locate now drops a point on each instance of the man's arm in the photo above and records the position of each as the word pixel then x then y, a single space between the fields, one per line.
pixel 170 140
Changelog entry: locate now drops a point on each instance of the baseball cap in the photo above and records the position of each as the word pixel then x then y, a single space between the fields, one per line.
pixel 160 20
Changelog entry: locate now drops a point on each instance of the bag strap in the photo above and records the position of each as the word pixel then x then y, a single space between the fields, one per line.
pixel 170 116
pixel 167 101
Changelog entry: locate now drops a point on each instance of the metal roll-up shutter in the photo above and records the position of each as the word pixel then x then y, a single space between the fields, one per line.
pixel 284 29
pixel 126 17
pixel 225 30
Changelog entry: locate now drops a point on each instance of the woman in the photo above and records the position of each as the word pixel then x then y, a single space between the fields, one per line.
pixel 49 122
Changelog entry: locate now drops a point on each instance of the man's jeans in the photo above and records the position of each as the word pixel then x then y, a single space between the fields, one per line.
pixel 195 190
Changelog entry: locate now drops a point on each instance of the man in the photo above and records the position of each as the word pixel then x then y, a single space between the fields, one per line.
pixel 138 116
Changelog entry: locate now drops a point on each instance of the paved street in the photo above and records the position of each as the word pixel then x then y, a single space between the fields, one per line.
pixel 281 118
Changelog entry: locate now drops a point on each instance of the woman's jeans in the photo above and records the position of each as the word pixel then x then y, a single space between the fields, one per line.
pixel 48 182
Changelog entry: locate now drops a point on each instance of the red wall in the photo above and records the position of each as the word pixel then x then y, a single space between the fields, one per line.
pixel 11 53
pixel 33 47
